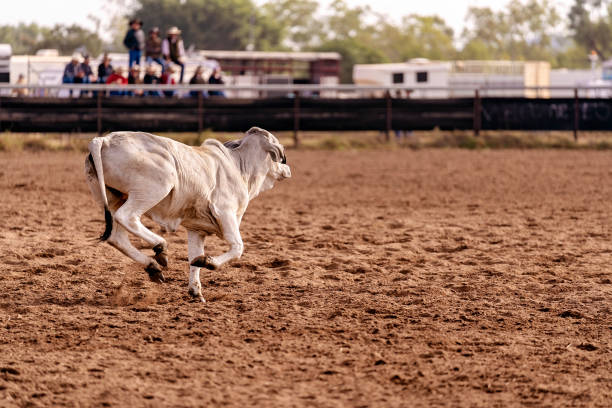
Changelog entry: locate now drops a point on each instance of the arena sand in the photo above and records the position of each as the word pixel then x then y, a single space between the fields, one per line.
pixel 371 278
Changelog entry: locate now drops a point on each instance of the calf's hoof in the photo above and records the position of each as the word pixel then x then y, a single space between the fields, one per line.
pixel 196 294
pixel 161 259
pixel 155 273
pixel 160 255
pixel 204 262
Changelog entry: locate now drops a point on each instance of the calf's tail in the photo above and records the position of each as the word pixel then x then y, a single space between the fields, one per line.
pixel 95 155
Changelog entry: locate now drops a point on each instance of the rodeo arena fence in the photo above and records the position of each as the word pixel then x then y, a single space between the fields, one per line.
pixel 92 108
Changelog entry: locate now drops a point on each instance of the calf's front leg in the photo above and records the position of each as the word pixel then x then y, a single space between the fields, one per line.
pixel 229 225
pixel 195 249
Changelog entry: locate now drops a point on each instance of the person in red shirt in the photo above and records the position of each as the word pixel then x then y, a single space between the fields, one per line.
pixel 117 77
pixel 167 79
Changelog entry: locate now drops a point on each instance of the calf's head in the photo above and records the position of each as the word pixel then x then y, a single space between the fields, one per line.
pixel 262 154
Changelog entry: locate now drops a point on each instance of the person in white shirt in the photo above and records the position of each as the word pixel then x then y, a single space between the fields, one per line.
pixel 173 49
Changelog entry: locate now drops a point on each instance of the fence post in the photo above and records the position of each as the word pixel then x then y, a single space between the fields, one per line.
pixel 576 114
pixel 388 116
pixel 200 113
pixel 99 112
pixel 296 119
pixel 477 113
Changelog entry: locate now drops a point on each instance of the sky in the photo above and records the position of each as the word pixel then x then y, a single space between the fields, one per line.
pixel 49 12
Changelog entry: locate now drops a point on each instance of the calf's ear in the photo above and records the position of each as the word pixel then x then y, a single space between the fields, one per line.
pixel 233 144
pixel 276 151
pixel 256 130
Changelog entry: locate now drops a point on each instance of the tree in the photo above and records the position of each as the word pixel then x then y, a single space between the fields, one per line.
pixel 352 52
pixel 523 31
pixel 212 24
pixel 29 38
pixel 297 22
pixel 68 39
pixel 24 38
pixel 591 25
pixel 417 37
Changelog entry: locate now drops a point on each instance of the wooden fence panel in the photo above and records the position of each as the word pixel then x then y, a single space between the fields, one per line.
pixel 165 114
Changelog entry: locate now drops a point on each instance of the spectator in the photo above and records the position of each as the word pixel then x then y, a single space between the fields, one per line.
pixel 117 78
pixel 20 91
pixel 153 48
pixel 134 75
pixel 134 41
pixel 134 78
pixel 105 69
pixel 198 79
pixel 88 75
pixel 215 79
pixel 151 78
pixel 72 70
pixel 173 49
pixel 167 79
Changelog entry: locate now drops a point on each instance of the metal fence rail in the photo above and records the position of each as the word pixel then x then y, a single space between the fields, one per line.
pixel 301 108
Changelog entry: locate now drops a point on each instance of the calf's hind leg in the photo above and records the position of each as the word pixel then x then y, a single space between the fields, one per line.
pixel 129 214
pixel 119 239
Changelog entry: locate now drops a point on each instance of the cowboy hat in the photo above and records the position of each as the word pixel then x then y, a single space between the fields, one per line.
pixel 173 30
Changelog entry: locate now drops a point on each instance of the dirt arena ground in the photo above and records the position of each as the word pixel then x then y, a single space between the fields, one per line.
pixel 372 278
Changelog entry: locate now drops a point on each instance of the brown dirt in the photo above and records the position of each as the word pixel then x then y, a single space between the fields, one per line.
pixel 378 278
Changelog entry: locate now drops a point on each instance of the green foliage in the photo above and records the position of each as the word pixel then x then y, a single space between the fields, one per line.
pixel 69 38
pixel 352 52
pixel 22 37
pixel 591 24
pixel 212 24
pixel 28 38
pixel 523 31
pixel 296 21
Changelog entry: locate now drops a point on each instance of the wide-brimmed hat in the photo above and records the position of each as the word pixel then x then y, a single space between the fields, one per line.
pixel 154 30
pixel 135 67
pixel 135 20
pixel 119 69
pixel 76 56
pixel 173 30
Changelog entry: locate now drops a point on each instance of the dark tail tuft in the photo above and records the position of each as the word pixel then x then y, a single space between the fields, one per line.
pixel 108 218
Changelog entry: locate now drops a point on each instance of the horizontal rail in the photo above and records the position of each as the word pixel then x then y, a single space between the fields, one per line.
pixel 293 87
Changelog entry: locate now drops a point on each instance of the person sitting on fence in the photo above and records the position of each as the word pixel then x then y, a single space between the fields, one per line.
pixel 198 79
pixel 215 79
pixel 151 78
pixel 134 41
pixel 167 79
pixel 72 70
pixel 173 49
pixel 105 69
pixel 20 91
pixel 134 78
pixel 117 78
pixel 88 75
pixel 153 48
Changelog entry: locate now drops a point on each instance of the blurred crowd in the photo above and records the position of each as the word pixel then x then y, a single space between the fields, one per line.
pixel 163 60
